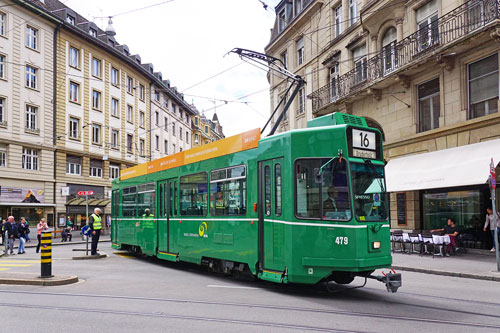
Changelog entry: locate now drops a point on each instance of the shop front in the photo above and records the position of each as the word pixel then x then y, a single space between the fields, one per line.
pixel 430 188
pixel 28 202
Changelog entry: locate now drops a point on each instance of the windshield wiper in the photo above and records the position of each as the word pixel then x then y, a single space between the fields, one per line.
pixel 319 172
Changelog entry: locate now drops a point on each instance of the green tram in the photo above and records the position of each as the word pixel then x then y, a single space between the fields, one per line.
pixel 304 206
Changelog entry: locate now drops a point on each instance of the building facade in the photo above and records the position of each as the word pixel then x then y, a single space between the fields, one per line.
pixel 26 112
pixel 423 72
pixel 205 130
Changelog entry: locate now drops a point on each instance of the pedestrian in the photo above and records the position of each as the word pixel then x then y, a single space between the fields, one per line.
pixel 95 226
pixel 42 226
pixel 450 229
pixel 69 223
pixel 26 234
pixel 11 234
pixel 21 235
pixel 490 221
pixel 2 235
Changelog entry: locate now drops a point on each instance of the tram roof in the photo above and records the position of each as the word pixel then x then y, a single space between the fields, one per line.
pixel 240 142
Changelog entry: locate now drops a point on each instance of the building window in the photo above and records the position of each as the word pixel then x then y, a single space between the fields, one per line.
pixel 31 118
pixel 3 158
pixel 70 19
pixel 427 23
pixel 93 32
pixel 142 93
pixel 353 12
pixel 2 66
pixel 96 134
pixel 298 5
pixel 73 165
pixel 96 67
pixel 142 119
pixel 31 75
pixel 157 142
pixel 338 21
pixel 74 57
pixel 187 137
pixel 130 114
pixel 157 118
pixel 284 59
pixel 483 87
pixel 157 95
pixel 3 111
pixel 301 101
pixel 360 66
pixel 196 121
pixel 428 105
pixel 206 129
pixel 300 51
pixel 165 147
pixel 30 159
pixel 165 124
pixel 95 168
pixel 114 138
pixel 130 85
pixel 74 128
pixel 130 142
pixel 173 129
pixel 31 37
pixel 114 76
pixel 389 50
pixel 180 133
pixel 74 92
pixel 282 20
pixel 173 148
pixel 172 108
pixel 3 23
pixel 115 106
pixel 114 171
pixel 141 147
pixel 96 100
pixel 334 81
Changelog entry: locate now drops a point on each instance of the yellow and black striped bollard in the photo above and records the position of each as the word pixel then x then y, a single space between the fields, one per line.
pixel 46 255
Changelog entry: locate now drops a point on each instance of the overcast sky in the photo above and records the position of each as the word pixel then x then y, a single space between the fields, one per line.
pixel 187 40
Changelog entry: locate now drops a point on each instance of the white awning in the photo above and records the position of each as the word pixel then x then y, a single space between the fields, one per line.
pixel 460 166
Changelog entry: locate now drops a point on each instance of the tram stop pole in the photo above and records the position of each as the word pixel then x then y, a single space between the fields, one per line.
pixel 46 255
pixel 87 221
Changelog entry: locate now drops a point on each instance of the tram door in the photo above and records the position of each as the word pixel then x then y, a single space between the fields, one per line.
pixel 271 233
pixel 168 209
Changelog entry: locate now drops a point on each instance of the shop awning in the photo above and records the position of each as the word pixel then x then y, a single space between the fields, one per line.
pixel 460 166
pixel 80 201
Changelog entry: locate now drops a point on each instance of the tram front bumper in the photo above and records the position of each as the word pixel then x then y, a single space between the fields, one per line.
pixel 356 265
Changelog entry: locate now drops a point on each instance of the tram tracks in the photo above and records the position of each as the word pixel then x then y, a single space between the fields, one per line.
pixel 358 314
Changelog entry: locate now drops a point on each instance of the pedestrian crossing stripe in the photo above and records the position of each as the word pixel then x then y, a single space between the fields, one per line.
pixel 14 265
pixel 3 269
pixel 20 261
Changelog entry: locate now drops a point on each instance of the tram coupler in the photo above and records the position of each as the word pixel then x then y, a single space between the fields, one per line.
pixel 392 280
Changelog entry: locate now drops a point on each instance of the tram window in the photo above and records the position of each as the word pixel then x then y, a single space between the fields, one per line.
pixel 370 197
pixel 175 198
pixel 194 194
pixel 267 189
pixel 146 199
pixel 228 191
pixel 129 198
pixel 325 197
pixel 277 190
pixel 115 203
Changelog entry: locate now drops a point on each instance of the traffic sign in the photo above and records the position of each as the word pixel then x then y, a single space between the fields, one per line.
pixel 494 181
pixel 85 192
pixel 86 230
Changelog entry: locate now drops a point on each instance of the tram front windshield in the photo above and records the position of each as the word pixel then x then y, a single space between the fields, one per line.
pixel 369 192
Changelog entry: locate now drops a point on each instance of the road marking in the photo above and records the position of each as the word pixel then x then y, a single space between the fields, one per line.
pixel 14 265
pixel 128 256
pixel 229 287
pixel 20 261
pixel 3 269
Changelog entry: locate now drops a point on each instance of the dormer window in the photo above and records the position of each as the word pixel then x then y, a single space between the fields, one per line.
pixel 93 32
pixel 70 19
pixel 126 52
pixel 111 42
pixel 281 20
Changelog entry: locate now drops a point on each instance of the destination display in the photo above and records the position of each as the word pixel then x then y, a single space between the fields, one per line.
pixel 364 144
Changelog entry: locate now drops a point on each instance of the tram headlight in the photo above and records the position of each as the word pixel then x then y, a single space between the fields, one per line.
pixel 376 245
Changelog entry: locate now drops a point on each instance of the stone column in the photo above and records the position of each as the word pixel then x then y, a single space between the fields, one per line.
pixel 399 29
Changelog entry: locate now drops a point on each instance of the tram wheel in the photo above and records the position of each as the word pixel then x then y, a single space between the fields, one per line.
pixel 342 277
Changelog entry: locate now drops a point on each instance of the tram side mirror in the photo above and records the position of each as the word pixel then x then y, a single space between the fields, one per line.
pixel 318 176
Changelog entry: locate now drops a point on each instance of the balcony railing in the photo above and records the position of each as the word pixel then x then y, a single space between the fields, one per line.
pixel 460 22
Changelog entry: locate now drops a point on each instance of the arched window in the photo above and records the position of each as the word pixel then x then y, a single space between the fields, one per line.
pixel 374 124
pixel 389 54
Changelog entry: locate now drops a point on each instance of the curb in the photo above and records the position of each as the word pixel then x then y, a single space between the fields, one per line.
pixel 447 273
pixel 37 281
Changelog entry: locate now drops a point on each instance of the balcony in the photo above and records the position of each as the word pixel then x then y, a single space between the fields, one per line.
pixel 460 23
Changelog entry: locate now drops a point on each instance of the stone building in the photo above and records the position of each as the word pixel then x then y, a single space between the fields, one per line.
pixel 425 73
pixel 26 112
pixel 205 130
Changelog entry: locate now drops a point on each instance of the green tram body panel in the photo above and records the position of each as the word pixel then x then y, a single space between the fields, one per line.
pixel 305 249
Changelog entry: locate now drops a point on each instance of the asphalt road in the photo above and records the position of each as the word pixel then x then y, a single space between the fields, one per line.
pixel 128 294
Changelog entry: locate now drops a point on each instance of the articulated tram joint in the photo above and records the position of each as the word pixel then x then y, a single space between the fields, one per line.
pixel 391 279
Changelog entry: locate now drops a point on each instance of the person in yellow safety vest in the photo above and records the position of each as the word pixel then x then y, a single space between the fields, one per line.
pixel 95 225
pixel 147 213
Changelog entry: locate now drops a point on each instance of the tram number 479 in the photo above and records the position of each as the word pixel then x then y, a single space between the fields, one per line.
pixel 342 240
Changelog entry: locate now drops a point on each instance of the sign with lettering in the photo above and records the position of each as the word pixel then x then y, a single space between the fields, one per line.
pixel 401 208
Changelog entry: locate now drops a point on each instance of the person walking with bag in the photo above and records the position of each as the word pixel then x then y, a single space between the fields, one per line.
pixel 42 226
pixel 490 221
pixel 21 234
pixel 95 225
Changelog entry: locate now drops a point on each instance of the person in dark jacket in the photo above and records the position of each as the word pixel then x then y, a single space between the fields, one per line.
pixel 21 234
pixel 95 225
pixel 10 234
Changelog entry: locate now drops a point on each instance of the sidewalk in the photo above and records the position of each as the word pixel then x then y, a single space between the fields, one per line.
pixel 464 265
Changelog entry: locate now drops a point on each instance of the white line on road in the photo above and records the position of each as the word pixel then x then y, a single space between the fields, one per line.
pixel 229 287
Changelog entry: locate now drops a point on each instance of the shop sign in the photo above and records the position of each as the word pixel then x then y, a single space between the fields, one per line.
pixel 21 195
